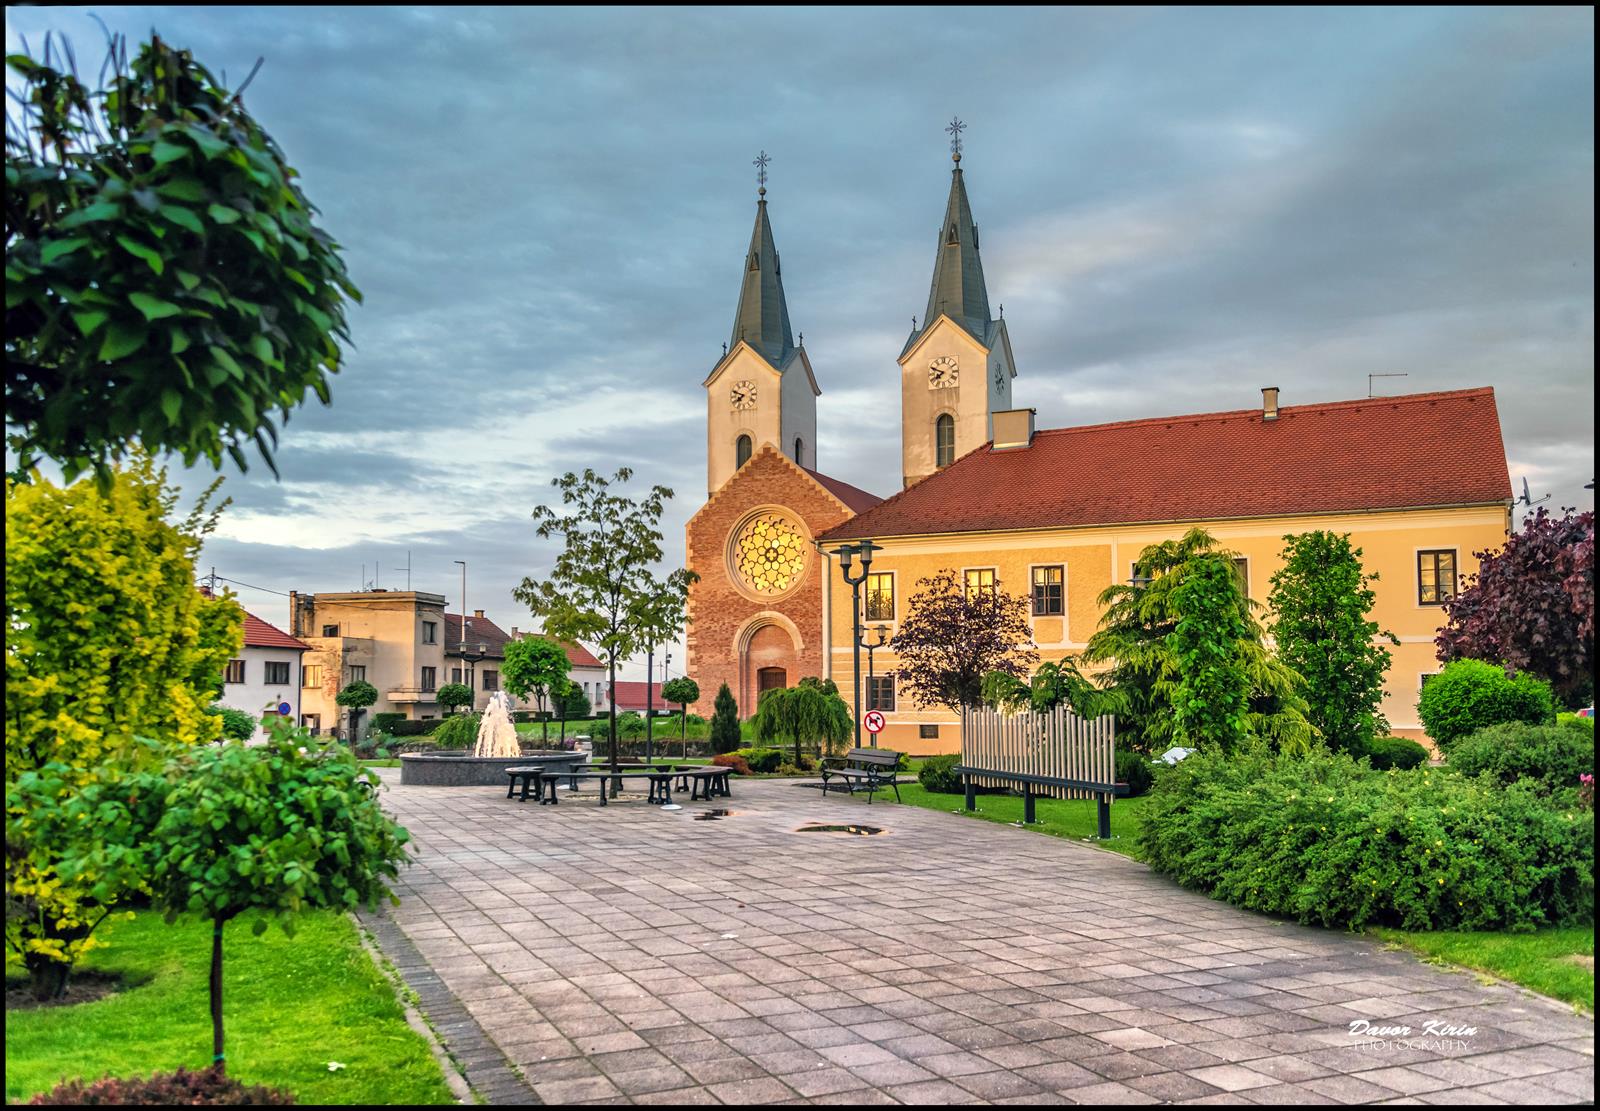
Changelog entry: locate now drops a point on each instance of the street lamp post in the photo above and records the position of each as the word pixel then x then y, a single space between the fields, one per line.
pixel 847 552
pixel 470 659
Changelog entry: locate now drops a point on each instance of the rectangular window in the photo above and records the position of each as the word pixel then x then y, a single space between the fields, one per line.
pixel 1436 576
pixel 1048 600
pixel 880 692
pixel 430 678
pixel 880 596
pixel 979 579
pixel 330 630
pixel 1241 567
pixel 1422 680
pixel 430 632
pixel 491 680
pixel 928 732
pixel 235 672
pixel 277 673
pixel 455 675
pixel 358 673
pixel 311 675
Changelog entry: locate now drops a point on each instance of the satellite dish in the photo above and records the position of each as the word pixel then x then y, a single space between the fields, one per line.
pixel 1527 497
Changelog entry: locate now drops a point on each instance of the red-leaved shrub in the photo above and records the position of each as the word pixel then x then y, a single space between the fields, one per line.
pixel 729 760
pixel 210 1086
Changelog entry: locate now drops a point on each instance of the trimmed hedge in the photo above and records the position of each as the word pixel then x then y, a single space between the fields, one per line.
pixel 1554 755
pixel 1384 753
pixel 407 728
pixel 1326 839
pixel 761 760
pixel 1469 695
pixel 1134 770
pixel 382 723
pixel 939 774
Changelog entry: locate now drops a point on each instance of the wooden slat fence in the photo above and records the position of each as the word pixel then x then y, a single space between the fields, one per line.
pixel 1059 754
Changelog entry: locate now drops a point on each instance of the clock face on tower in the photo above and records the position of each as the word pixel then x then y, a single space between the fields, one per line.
pixel 943 372
pixel 743 395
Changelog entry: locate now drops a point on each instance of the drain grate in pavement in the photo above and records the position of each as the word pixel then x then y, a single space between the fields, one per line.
pixel 853 830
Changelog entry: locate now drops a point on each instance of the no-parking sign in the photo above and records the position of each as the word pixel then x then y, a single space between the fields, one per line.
pixel 873 722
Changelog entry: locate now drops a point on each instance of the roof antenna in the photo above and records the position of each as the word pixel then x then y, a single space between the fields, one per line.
pixel 1370 377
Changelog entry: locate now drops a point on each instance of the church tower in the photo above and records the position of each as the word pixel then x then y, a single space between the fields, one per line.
pixel 956 369
pixel 762 391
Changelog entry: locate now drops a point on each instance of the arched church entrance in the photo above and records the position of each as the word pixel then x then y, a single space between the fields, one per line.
pixel 768 660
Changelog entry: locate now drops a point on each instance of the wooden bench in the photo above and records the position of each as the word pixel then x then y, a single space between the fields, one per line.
pixel 871 767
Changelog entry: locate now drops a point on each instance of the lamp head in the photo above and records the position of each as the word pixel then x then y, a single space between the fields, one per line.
pixel 844 552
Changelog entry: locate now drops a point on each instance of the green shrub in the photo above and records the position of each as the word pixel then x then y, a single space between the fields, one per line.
pixel 938 774
pixel 1134 770
pixel 205 1087
pixel 1395 752
pixel 384 722
pixel 761 760
pixel 407 728
pixel 237 725
pixel 1326 839
pixel 456 731
pixel 630 723
pixel 1554 755
pixel 1469 695
pixel 731 760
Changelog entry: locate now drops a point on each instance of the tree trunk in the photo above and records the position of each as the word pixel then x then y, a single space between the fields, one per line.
pixel 649 704
pixel 544 718
pixel 611 696
pixel 683 713
pixel 216 995
pixel 47 979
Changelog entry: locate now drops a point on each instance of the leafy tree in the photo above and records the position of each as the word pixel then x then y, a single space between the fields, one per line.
pixel 810 711
pixel 658 617
pixel 1211 697
pixel 950 640
pixel 165 283
pixel 572 704
pixel 453 696
pixel 1052 685
pixel 1531 605
pixel 1137 624
pixel 107 640
pixel 231 838
pixel 725 722
pixel 536 666
pixel 236 724
pixel 682 690
pixel 1320 601
pixel 594 591
pixel 357 697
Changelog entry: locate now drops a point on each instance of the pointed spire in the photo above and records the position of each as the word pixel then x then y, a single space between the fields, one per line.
pixel 762 320
pixel 958 288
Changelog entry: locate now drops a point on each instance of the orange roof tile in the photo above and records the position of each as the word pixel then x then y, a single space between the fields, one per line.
pixel 259 634
pixel 1432 449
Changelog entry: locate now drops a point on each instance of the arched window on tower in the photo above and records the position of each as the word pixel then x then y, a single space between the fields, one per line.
pixel 741 451
pixel 799 451
pixel 944 440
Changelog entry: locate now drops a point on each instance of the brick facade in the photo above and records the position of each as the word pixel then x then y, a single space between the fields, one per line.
pixel 731 634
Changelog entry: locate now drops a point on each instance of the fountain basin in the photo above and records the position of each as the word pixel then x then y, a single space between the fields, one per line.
pixel 462 769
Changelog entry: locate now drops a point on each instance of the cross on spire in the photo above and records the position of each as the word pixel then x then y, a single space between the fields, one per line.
pixel 760 164
pixel 955 129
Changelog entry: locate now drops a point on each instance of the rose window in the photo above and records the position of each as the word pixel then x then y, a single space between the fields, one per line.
pixel 769 553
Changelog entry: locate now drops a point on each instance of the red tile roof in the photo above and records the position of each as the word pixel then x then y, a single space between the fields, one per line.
pixel 630 695
pixel 1431 449
pixel 857 500
pixel 578 655
pixel 494 638
pixel 259 634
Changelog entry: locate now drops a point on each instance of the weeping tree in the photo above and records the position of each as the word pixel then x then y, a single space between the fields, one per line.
pixel 1144 659
pixel 809 712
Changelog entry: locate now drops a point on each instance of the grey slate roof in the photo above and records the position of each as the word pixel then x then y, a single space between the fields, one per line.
pixel 958 289
pixel 763 317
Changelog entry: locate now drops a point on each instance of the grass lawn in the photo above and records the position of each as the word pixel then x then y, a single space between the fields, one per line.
pixel 1074 819
pixel 290 1006
pixel 1557 963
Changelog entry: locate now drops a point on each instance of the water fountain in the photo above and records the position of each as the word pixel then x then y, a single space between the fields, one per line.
pixel 485 764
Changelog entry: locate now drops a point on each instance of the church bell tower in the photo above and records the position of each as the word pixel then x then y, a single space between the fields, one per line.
pixel 956 369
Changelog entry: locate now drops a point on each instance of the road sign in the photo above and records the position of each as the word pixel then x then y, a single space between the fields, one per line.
pixel 284 709
pixel 873 722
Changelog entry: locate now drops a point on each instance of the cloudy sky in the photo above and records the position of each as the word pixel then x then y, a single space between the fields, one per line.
pixel 547 211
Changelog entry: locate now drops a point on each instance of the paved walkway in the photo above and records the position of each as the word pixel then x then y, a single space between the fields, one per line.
pixel 637 955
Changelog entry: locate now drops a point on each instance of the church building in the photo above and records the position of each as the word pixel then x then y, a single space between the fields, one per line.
pixel 1056 515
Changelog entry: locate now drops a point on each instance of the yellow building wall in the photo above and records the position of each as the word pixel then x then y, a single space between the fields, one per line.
pixel 1095 557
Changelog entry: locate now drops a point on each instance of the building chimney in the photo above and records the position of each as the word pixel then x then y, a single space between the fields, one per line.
pixel 1269 402
pixel 1013 429
pixel 515 633
pixel 477 613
